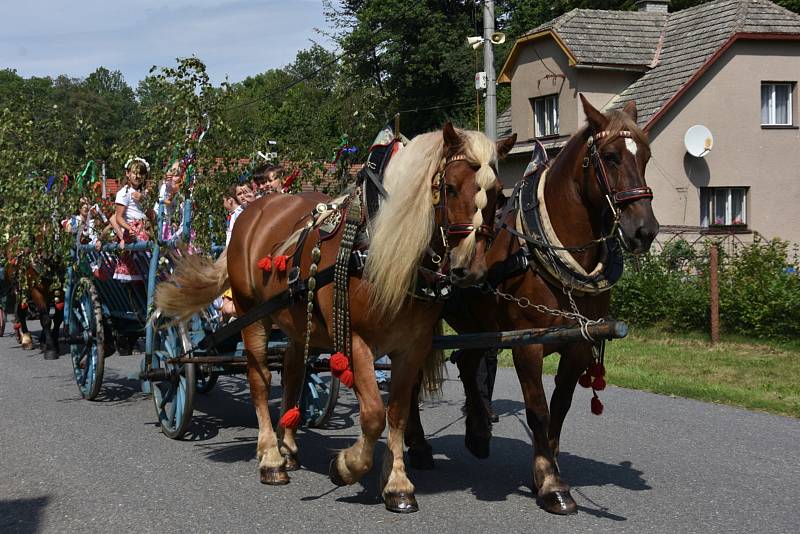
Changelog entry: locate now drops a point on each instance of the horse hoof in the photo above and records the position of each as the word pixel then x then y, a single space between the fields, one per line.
pixel 401 503
pixel 559 503
pixel 477 445
pixel 50 355
pixel 421 458
pixel 274 476
pixel 333 474
pixel 292 462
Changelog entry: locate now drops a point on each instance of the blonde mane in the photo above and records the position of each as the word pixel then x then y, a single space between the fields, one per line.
pixel 403 227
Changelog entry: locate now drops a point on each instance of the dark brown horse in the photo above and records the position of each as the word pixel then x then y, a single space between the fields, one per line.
pixel 448 170
pixel 38 285
pixel 574 198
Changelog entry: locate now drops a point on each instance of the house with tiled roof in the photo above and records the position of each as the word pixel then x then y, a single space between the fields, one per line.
pixel 729 65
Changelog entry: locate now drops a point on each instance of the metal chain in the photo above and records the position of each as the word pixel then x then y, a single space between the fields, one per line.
pixel 574 315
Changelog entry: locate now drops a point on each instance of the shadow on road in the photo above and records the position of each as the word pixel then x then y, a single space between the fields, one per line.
pixel 22 515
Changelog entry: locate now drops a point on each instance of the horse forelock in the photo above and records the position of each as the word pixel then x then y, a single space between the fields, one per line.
pixel 619 121
pixel 481 152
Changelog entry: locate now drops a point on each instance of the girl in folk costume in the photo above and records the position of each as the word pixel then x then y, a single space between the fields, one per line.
pixel 167 194
pixel 85 222
pixel 130 217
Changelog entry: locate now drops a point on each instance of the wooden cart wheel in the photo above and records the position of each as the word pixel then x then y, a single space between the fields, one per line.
pixel 320 393
pixel 172 391
pixel 86 338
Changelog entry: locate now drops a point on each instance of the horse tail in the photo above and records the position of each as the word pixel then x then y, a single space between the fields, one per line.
pixel 433 369
pixel 196 281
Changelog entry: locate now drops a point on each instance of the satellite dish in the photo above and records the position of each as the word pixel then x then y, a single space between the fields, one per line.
pixel 698 141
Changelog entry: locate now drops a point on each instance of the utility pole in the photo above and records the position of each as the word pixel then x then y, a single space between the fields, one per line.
pixel 488 64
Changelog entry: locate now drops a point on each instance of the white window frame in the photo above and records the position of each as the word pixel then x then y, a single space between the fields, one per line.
pixel 550 108
pixel 708 197
pixel 771 103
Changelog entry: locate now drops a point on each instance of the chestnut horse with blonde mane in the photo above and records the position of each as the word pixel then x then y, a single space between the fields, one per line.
pixel 440 180
pixel 580 215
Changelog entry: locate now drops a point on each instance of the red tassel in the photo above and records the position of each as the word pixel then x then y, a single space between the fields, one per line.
pixel 17 326
pixel 265 264
pixel 597 369
pixel 291 419
pixel 585 380
pixel 280 263
pixel 24 305
pixel 599 383
pixel 60 306
pixel 340 368
pixel 347 378
pixel 339 364
pixel 597 406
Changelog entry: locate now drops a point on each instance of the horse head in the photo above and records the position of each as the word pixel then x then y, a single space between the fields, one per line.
pixel 617 152
pixel 465 194
pixel 441 188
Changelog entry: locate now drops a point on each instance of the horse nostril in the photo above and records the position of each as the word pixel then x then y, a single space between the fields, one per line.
pixel 459 272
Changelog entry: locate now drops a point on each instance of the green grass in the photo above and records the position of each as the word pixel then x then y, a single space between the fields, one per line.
pixel 752 374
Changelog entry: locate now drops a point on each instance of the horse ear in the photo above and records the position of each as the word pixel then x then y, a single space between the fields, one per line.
pixel 596 120
pixel 452 141
pixel 504 146
pixel 630 109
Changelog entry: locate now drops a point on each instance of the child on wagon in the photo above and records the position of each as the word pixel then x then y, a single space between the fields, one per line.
pixel 234 208
pixel 130 218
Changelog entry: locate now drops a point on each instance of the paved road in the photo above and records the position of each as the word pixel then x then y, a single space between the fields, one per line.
pixel 649 464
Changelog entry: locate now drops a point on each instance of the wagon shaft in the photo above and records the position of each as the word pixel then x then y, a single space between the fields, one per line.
pixel 514 338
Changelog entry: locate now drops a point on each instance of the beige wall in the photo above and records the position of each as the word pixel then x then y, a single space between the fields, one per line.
pixel 727 99
pixel 530 80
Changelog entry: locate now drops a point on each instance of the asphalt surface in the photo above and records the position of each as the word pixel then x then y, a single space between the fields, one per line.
pixel 650 463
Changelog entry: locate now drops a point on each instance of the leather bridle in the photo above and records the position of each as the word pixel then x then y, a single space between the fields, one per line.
pixel 616 199
pixel 439 187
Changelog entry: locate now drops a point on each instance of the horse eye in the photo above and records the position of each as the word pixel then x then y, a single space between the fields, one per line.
pixel 611 158
pixel 450 189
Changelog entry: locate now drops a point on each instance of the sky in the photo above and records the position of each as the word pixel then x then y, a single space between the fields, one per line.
pixel 237 38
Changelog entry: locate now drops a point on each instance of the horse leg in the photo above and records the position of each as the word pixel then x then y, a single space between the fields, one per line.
pixel 552 493
pixel 396 489
pixel 23 336
pixel 292 382
pixel 270 461
pixel 575 359
pixel 354 462
pixel 39 297
pixel 420 453
pixel 58 320
pixel 478 431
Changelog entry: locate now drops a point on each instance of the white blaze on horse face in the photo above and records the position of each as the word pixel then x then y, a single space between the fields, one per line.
pixel 630 144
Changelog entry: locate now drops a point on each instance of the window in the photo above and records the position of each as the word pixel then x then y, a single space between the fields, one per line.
pixel 723 206
pixel 545 116
pixel 776 104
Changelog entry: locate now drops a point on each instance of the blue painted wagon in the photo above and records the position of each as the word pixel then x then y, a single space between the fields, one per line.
pixel 175 367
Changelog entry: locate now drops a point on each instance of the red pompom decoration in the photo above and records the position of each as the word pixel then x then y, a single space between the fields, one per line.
pixel 597 406
pixel 24 305
pixel 280 263
pixel 60 306
pixel 347 378
pixel 599 383
pixel 291 419
pixel 265 264
pixel 597 369
pixel 17 326
pixel 585 381
pixel 339 363
pixel 340 368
